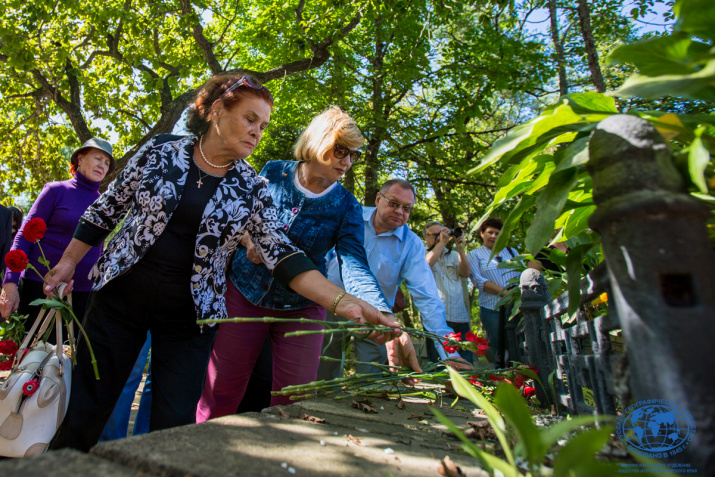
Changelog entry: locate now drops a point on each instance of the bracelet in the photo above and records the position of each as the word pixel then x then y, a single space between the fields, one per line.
pixel 336 301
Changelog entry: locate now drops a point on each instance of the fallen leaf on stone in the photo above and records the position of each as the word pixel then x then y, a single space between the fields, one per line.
pixel 283 413
pixel 355 440
pixel 400 404
pixel 365 401
pixel 416 416
pixel 383 395
pixel 363 407
pixel 308 418
pixel 405 441
pixel 449 469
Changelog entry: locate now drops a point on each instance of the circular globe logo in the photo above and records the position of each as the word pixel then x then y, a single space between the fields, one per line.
pixel 655 428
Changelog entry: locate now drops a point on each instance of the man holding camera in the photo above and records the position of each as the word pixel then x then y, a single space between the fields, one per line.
pixel 450 269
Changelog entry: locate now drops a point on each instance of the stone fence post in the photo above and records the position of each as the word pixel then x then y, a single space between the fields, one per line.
pixel 661 266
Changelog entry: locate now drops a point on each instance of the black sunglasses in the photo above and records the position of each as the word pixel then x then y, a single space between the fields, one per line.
pixel 341 152
pixel 251 83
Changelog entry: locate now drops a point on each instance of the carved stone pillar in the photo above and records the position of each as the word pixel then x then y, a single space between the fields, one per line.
pixel 661 265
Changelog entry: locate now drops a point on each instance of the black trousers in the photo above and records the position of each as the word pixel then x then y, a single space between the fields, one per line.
pixel 117 321
pixel 31 290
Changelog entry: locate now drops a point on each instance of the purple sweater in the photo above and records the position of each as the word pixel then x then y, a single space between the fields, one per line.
pixel 60 205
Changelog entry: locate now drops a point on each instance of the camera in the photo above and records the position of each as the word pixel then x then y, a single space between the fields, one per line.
pixel 456 232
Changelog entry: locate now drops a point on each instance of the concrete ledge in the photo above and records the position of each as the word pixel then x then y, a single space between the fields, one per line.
pixel 267 445
pixel 64 463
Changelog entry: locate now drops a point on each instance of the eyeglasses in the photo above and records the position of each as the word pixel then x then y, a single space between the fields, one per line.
pixel 396 205
pixel 251 83
pixel 341 152
pixel 434 236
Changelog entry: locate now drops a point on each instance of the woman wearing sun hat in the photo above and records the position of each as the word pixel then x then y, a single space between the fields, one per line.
pixel 60 205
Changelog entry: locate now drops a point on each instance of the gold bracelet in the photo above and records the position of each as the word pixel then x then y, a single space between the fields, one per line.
pixel 336 301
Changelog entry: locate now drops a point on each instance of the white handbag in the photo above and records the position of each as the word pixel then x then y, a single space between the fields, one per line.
pixel 30 414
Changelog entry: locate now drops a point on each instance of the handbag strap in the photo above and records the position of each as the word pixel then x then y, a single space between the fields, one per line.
pixel 43 324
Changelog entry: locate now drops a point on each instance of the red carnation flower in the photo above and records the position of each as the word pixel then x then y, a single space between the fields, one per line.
pixel 519 380
pixel 30 387
pixel 447 346
pixel 16 260
pixel 528 391
pixel 6 365
pixel 8 347
pixel 34 229
pixel 475 380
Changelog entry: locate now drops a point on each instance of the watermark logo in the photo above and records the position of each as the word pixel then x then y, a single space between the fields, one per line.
pixel 656 428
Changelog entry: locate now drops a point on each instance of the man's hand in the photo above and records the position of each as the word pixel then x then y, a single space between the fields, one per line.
pixel 401 354
pixel 445 236
pixel 9 300
pixel 459 363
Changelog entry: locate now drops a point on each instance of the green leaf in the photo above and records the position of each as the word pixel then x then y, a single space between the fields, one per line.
pixel 696 17
pixel 525 204
pixel 698 160
pixel 698 85
pixel 578 221
pixel 469 446
pixel 516 411
pixel 590 103
pixel 551 435
pixel 664 55
pixel 574 267
pixel 525 134
pixel 580 450
pixel 548 207
pixel 466 390
pixel 48 303
pixel 575 154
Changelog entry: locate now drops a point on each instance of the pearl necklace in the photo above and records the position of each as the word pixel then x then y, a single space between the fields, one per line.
pixel 201 150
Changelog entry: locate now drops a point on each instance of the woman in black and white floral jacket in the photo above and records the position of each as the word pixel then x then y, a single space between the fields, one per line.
pixel 185 209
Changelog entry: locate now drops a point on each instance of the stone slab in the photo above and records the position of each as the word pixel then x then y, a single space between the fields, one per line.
pixel 265 444
pixel 415 415
pixel 65 463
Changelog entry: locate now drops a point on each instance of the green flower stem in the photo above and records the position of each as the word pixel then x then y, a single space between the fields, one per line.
pixel 337 326
pixel 93 359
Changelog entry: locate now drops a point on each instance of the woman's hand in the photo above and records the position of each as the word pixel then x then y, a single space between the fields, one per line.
pixel 355 309
pixel 63 272
pixel 251 250
pixel 9 299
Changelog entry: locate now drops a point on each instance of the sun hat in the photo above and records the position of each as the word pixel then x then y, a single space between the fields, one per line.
pixel 96 143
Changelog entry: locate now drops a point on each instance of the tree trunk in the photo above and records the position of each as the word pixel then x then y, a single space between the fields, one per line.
pixel 559 48
pixel 378 127
pixel 584 17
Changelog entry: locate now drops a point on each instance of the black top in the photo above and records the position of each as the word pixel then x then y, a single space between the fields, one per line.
pixel 172 255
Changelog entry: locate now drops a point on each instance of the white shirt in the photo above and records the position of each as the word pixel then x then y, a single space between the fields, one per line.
pixel 398 255
pixel 450 286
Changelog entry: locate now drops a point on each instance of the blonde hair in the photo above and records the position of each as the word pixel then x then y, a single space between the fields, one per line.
pixel 332 126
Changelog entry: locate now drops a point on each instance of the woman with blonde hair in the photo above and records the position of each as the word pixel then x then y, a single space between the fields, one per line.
pixel 317 214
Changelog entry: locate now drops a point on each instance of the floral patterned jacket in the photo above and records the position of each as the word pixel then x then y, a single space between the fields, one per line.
pixel 148 191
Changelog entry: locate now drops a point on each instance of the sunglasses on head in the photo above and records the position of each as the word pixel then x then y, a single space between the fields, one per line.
pixel 341 152
pixel 250 82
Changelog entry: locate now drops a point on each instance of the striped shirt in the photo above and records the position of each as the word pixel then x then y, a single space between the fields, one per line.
pixel 484 270
pixel 450 287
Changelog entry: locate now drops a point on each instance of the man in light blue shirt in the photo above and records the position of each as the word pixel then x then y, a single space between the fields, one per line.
pixel 394 253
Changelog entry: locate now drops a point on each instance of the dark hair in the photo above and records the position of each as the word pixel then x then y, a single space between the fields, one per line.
pixel 17 216
pixel 197 121
pixel 398 182
pixel 491 222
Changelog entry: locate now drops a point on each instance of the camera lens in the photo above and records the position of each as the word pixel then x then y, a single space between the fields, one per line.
pixel 457 232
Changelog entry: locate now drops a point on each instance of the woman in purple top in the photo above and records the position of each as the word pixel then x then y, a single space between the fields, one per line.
pixel 60 205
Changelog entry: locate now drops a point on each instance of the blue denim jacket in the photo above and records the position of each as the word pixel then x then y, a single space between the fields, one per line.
pixel 315 226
